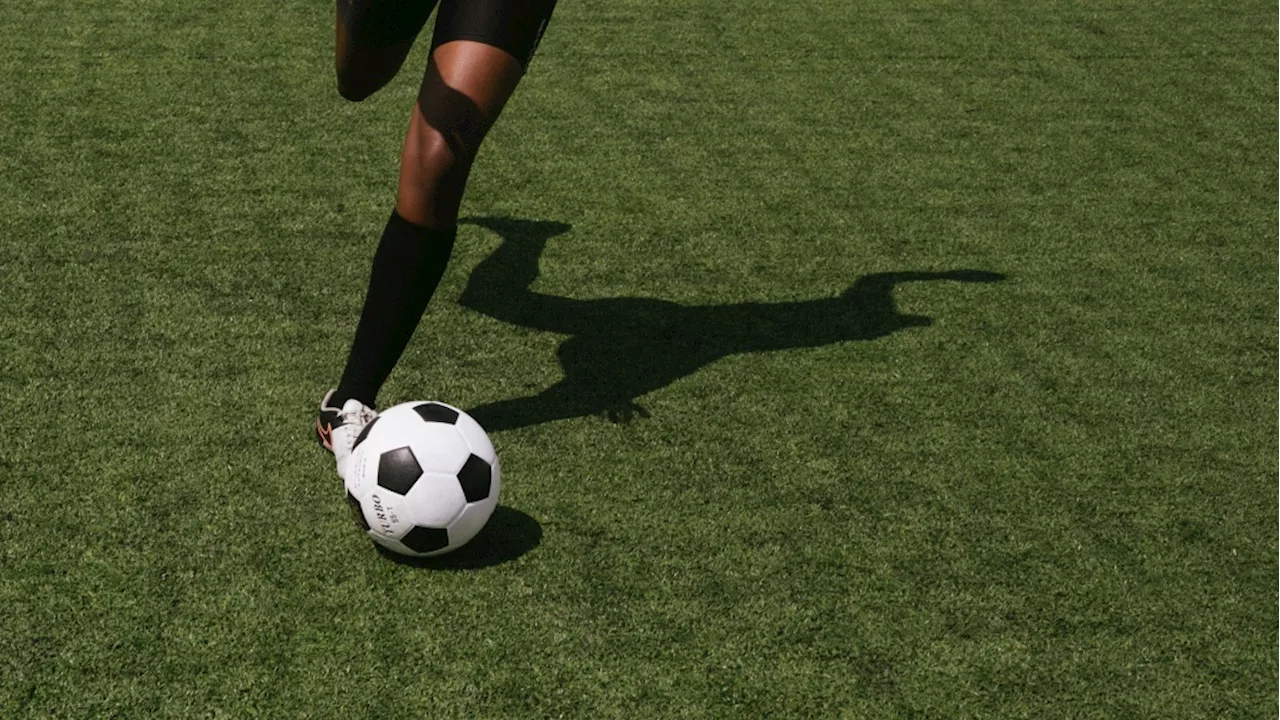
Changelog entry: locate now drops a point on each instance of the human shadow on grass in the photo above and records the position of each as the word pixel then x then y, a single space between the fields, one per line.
pixel 508 535
pixel 619 349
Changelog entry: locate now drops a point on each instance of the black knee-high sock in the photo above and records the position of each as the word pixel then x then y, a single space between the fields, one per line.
pixel 407 267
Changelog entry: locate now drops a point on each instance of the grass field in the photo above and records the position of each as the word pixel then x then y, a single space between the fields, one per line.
pixel 1051 494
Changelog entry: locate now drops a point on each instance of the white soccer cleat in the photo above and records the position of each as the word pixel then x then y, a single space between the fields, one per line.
pixel 337 428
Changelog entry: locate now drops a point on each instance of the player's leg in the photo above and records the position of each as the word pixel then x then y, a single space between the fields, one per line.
pixel 466 85
pixel 371 40
pixel 445 130
pixel 480 50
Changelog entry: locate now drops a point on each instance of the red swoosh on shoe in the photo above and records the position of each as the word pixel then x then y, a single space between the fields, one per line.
pixel 325 434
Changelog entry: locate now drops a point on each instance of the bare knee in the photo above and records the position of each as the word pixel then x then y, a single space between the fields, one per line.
pixel 437 149
pixel 433 174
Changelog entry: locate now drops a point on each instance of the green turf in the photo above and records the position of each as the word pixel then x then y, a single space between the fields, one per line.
pixel 1054 501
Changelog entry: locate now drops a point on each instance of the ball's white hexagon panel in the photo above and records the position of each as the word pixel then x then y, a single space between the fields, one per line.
pixel 476 438
pixel 439 448
pixel 435 500
pixel 470 521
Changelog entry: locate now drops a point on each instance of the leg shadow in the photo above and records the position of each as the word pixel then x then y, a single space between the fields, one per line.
pixel 620 349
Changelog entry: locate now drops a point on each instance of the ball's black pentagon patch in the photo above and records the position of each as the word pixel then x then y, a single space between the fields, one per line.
pixel 357 513
pixel 425 539
pixel 475 477
pixel 364 433
pixel 398 470
pixel 435 412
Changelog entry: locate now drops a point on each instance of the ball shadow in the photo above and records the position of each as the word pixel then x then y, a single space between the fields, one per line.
pixel 508 535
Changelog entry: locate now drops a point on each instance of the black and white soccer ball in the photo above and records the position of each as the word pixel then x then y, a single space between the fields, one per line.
pixel 422 479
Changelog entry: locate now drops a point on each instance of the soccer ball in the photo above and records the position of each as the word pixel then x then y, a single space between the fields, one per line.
pixel 422 478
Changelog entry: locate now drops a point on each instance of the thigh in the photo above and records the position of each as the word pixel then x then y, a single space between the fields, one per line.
pixel 372 40
pixel 379 24
pixel 514 26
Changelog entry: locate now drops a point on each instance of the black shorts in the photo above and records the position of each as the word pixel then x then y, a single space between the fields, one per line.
pixel 515 26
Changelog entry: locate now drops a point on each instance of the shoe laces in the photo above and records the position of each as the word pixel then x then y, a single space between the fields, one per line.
pixel 356 418
pixel 359 416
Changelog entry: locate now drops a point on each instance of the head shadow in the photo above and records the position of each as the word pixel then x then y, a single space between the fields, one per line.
pixel 622 348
